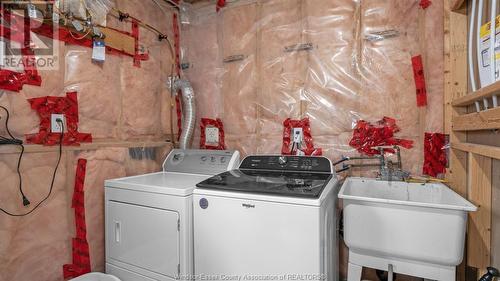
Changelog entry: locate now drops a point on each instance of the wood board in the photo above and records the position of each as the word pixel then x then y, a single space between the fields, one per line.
pixel 479 228
pixel 483 120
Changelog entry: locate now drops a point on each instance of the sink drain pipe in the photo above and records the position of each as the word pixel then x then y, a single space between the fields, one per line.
pixel 388 275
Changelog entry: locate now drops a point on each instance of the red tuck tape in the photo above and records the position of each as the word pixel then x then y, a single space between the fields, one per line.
pixel 46 106
pixel 207 123
pixel 366 136
pixel 138 56
pixel 288 126
pixel 31 73
pixel 425 3
pixel 12 80
pixel 418 75
pixel 80 246
pixel 220 5
pixel 434 154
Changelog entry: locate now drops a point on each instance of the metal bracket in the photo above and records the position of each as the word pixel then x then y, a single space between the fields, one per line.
pixel 234 58
pixel 381 35
pixel 170 81
pixel 299 47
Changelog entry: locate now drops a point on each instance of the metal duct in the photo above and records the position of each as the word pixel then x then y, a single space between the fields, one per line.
pixel 188 110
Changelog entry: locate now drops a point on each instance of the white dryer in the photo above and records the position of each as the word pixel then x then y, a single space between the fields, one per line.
pixel 149 218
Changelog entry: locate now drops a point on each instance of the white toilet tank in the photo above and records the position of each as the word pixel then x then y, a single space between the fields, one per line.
pixel 95 276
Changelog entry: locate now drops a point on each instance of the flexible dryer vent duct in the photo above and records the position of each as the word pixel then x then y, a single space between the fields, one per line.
pixel 189 112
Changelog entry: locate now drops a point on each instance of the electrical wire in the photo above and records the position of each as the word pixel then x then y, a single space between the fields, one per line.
pixel 159 6
pixel 81 37
pixel 172 3
pixel 14 141
pixel 121 16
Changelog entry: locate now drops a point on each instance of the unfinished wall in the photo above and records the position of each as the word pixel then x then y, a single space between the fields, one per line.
pixel 117 102
pixel 344 77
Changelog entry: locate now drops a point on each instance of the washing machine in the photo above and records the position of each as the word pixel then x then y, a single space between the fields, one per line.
pixel 148 218
pixel 274 218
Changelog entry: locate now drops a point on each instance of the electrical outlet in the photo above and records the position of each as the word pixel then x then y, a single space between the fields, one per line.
pixel 298 135
pixel 211 135
pixel 55 127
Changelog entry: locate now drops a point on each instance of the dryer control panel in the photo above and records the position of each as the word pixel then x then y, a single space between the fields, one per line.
pixel 201 161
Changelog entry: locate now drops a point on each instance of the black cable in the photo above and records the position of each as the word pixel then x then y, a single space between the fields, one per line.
pixel 15 141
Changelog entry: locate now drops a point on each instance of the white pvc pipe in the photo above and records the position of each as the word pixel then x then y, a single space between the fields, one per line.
pixel 471 36
pixel 472 75
pixel 478 34
pixel 390 273
pixel 478 42
pixel 493 63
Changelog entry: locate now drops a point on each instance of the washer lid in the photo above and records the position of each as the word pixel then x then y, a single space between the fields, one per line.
pixel 178 184
pixel 293 184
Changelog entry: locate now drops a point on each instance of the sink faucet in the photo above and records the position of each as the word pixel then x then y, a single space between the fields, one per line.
pixel 388 170
pixel 348 158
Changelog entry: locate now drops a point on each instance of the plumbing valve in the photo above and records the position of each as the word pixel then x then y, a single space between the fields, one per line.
pixel 490 275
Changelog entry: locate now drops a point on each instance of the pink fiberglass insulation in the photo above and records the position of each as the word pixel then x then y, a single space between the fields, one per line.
pixel 313 58
pixel 35 247
pixel 38 245
pixel 98 89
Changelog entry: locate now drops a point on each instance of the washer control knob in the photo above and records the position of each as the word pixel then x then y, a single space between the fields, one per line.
pixel 223 159
pixel 282 160
pixel 203 158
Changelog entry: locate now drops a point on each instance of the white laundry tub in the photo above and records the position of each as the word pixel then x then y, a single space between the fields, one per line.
pixel 417 229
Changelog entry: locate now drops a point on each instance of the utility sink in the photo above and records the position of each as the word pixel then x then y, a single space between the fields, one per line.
pixel 411 228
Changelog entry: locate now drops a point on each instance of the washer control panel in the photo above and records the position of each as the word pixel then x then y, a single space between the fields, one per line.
pixel 288 163
pixel 199 161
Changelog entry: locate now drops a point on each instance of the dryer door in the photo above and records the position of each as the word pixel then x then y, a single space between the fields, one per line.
pixel 143 237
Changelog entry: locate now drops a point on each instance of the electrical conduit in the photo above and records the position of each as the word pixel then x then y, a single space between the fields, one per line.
pixel 478 40
pixel 472 75
pixel 493 28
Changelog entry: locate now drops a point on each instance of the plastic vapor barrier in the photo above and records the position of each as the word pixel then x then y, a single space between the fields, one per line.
pixel 256 63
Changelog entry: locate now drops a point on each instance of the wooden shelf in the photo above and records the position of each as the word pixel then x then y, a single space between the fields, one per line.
pixel 483 150
pixel 485 92
pixel 483 120
pixel 35 148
